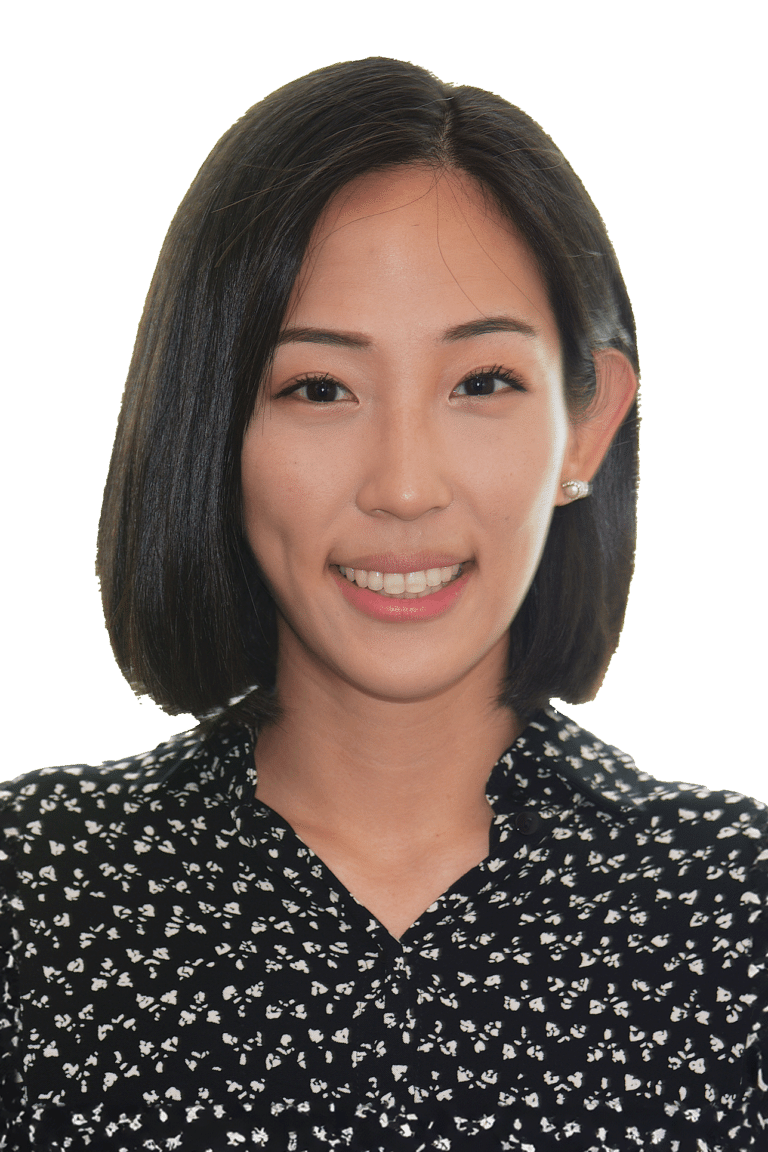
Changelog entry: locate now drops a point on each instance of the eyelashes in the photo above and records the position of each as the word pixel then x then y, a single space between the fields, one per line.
pixel 477 382
pixel 320 389
pixel 325 389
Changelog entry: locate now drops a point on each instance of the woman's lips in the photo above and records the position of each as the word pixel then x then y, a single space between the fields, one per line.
pixel 401 607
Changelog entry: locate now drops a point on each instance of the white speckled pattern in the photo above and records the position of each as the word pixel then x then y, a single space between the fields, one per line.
pixel 184 973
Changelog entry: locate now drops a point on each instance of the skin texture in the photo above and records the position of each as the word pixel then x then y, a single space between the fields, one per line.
pixel 391 728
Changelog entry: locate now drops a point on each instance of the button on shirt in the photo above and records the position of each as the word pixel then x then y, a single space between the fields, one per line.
pixel 183 972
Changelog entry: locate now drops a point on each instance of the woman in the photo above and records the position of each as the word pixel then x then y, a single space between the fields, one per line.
pixel 371 505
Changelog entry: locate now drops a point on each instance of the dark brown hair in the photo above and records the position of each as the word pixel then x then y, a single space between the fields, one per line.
pixel 191 621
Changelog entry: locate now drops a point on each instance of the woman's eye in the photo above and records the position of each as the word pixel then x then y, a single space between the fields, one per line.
pixel 320 391
pixel 487 383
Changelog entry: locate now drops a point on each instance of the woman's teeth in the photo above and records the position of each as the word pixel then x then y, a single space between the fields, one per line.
pixel 404 585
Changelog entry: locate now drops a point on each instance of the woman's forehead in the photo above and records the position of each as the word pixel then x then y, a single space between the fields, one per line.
pixel 423 240
pixel 434 198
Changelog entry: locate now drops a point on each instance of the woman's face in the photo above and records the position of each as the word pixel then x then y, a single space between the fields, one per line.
pixel 414 420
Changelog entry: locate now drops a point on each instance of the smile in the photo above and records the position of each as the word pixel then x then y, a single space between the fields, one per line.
pixel 403 585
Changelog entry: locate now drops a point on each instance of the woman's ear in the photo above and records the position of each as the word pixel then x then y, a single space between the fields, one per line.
pixel 591 434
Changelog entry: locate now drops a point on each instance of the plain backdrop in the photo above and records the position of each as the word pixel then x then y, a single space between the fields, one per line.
pixel 110 110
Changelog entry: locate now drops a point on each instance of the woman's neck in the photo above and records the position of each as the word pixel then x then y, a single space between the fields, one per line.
pixel 402 775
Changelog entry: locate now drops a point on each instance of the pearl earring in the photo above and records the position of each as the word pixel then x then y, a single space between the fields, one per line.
pixel 576 489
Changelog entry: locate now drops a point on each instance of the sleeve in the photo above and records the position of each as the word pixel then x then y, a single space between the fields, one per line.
pixel 757 1044
pixel 13 1130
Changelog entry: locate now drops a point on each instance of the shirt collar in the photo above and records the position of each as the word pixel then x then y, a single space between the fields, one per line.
pixel 550 748
pixel 529 786
pixel 550 741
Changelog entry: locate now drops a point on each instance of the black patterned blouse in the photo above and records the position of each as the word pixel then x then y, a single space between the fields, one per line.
pixel 184 973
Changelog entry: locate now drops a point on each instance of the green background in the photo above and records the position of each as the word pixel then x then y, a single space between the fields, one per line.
pixel 113 110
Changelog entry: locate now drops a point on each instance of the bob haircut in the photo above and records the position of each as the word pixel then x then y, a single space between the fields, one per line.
pixel 190 618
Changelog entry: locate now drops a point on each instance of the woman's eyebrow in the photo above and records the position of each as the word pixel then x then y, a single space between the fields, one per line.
pixel 483 327
pixel 323 336
pixel 487 325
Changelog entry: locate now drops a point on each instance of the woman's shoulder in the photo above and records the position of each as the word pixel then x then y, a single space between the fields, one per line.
pixel 59 786
pixel 610 779
pixel 69 796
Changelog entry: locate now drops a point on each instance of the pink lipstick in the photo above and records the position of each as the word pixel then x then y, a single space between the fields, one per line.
pixel 393 609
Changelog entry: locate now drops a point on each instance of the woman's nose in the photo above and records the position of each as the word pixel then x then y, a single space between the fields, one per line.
pixel 405 466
